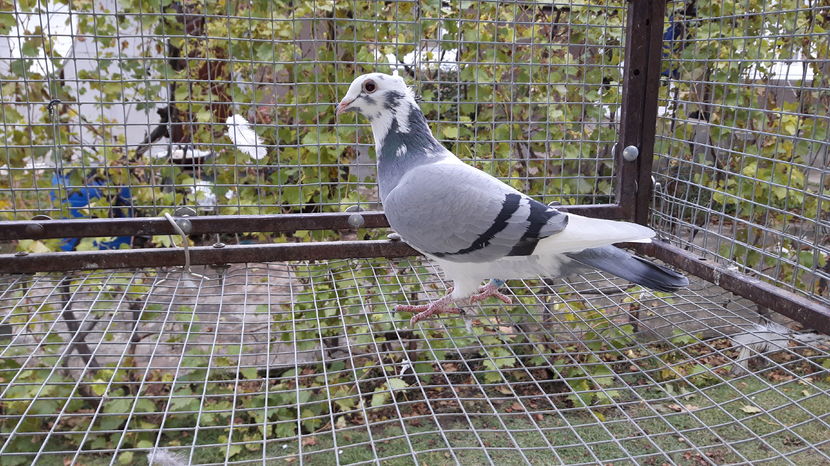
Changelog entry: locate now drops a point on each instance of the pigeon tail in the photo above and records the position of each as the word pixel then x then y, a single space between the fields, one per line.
pixel 583 233
pixel 632 268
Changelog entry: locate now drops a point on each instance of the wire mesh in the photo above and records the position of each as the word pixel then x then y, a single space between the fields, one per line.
pixel 131 108
pixel 743 138
pixel 308 362
pixel 136 108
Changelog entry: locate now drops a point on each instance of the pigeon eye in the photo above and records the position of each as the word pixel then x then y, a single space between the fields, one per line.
pixel 369 86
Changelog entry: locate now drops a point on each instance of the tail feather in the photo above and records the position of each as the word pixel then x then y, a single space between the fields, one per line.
pixel 585 232
pixel 632 268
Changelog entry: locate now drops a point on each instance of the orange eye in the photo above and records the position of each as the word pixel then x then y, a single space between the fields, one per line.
pixel 369 86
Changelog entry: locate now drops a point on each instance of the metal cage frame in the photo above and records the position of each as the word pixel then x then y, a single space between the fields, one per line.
pixel 643 50
pixel 657 427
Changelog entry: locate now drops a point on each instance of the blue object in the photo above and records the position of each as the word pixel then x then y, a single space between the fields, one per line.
pixel 81 197
pixel 673 43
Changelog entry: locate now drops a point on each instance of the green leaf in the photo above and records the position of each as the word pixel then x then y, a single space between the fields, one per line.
pixel 30 48
pixel 144 444
pixel 204 116
pixel 265 52
pixel 380 396
pixel 144 405
pixel 425 369
pixel 397 384
pixel 118 405
pixel 7 21
pixel 450 132
pixel 234 449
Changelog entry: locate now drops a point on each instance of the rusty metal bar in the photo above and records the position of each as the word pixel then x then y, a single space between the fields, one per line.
pixel 638 113
pixel 808 312
pixel 201 255
pixel 282 223
pixel 82 228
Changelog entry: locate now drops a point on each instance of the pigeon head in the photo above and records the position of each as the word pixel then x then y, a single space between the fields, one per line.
pixel 388 104
pixel 402 137
pixel 376 93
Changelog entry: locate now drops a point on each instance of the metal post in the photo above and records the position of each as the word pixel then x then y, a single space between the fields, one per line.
pixel 638 121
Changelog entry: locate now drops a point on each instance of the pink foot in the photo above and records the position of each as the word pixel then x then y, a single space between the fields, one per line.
pixel 441 306
pixel 487 291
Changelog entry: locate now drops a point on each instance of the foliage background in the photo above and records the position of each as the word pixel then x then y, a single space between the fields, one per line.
pixel 283 67
pixel 742 143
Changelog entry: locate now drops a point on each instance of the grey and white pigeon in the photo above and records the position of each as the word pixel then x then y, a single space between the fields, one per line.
pixel 474 226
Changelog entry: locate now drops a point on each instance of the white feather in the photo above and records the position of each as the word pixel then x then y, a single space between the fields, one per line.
pixel 402 113
pixel 166 457
pixel 584 232
pixel 401 151
pixel 244 138
pixel 769 336
pixel 467 276
pixel 380 128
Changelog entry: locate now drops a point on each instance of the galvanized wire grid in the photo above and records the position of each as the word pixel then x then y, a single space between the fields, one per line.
pixel 530 91
pixel 742 141
pixel 307 363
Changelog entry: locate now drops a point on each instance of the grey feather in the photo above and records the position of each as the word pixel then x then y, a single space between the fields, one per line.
pixel 622 264
pixel 456 212
pixel 418 143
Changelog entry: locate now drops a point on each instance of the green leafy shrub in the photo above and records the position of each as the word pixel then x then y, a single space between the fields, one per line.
pixel 750 91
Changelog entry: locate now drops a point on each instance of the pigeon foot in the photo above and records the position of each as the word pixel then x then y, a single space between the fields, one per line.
pixel 440 306
pixel 490 290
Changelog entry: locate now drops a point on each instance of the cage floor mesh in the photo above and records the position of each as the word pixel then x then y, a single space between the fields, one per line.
pixel 309 363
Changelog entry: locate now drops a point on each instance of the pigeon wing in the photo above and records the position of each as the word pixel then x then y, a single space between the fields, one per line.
pixel 456 212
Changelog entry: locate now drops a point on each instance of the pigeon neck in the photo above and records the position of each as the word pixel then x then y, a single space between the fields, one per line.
pixel 403 145
pixel 401 128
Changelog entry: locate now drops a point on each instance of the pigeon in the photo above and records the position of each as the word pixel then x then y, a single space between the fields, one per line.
pixel 473 225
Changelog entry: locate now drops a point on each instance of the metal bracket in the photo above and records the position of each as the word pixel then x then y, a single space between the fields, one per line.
pixel 179 225
pixel 185 212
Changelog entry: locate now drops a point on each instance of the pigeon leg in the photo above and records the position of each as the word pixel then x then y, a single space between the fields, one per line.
pixel 490 290
pixel 440 306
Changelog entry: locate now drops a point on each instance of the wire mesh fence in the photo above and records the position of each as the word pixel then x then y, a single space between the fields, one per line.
pixel 131 108
pixel 308 362
pixel 743 138
pixel 136 108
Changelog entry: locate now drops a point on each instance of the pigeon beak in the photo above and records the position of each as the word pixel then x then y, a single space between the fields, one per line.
pixel 343 107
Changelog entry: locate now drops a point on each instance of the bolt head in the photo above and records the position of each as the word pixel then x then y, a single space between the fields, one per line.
pixel 185 225
pixel 34 229
pixel 356 220
pixel 630 153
